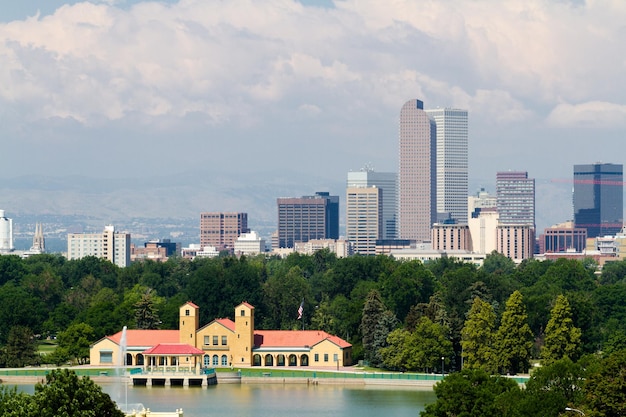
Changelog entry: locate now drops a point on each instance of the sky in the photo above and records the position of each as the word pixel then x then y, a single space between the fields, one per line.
pixel 119 88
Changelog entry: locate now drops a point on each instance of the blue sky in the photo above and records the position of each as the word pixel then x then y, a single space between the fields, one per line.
pixel 116 88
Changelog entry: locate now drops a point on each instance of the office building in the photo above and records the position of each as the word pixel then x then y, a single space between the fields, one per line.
pixel 340 247
pixel 482 224
pixel 481 200
pixel 110 245
pixel 515 198
pixel 451 163
pixel 516 241
pixel 221 230
pixel 364 218
pixel 155 250
pixel 249 244
pixel 451 237
pixel 598 198
pixel 417 186
pixel 563 237
pixel 6 233
pixel 301 219
pixel 387 183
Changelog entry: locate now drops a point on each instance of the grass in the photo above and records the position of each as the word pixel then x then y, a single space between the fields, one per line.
pixel 46 346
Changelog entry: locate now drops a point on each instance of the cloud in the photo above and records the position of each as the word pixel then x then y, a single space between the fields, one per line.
pixel 92 61
pixel 597 114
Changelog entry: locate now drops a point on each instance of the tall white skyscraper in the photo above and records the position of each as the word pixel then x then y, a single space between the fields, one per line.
pixel 387 182
pixel 417 173
pixel 364 218
pixel 452 163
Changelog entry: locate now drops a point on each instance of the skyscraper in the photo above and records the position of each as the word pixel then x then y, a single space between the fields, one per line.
pixel 364 218
pixel 515 198
pixel 598 198
pixel 110 245
pixel 452 163
pixel 305 218
pixel 221 230
pixel 417 191
pixel 387 182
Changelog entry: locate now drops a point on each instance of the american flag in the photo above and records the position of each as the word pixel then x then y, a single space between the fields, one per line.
pixel 300 310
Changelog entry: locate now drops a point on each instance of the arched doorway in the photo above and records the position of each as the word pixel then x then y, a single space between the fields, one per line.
pixel 304 360
pixel 256 360
pixel 293 360
pixel 139 359
pixel 129 360
pixel 269 360
pixel 280 360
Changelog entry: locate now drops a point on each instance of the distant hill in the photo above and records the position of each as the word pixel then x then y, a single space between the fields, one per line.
pixel 85 202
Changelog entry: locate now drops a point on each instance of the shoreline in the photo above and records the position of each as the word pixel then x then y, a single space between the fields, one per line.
pixel 417 384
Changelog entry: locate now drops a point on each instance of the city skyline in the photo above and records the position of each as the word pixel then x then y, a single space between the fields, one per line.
pixel 124 89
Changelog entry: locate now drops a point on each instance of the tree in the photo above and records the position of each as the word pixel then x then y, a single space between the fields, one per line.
pixel 605 389
pixel 417 350
pixel 376 324
pixel 64 394
pixel 497 263
pixel 477 337
pixel 553 387
pixel 409 284
pixel 21 348
pixel 514 339
pixel 562 338
pixel 469 393
pixel 76 340
pixel 14 404
pixel 146 314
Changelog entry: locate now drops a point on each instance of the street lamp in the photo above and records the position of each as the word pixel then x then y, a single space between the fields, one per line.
pixel 574 410
pixel 442 358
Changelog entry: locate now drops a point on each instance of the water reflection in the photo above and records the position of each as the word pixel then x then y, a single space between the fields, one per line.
pixel 277 400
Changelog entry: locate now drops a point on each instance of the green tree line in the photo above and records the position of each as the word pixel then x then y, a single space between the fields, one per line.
pixel 444 308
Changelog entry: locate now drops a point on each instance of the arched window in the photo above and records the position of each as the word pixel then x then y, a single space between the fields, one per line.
pixel 224 360
pixel 129 359
pixel 216 360
pixel 206 361
pixel 140 359
pixel 293 360
pixel 304 360
pixel 269 360
pixel 256 360
pixel 280 360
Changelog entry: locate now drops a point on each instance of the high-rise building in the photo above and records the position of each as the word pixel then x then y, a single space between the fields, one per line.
pixel 387 183
pixel 221 230
pixel 452 163
pixel 515 198
pixel 6 233
pixel 417 185
pixel 301 219
pixel 364 218
pixel 598 198
pixel 110 245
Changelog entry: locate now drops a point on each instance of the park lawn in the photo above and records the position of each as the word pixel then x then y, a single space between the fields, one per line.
pixel 46 346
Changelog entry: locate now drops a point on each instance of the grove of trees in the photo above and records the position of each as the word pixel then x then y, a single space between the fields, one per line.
pixel 399 315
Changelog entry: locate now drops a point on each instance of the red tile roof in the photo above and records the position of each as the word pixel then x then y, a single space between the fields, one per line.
pixel 191 304
pixel 146 337
pixel 250 306
pixel 170 349
pixel 295 338
pixel 228 323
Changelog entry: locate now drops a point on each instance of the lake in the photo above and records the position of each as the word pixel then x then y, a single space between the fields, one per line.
pixel 276 400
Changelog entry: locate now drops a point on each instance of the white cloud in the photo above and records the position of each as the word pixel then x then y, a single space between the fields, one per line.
pixel 598 114
pixel 96 60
